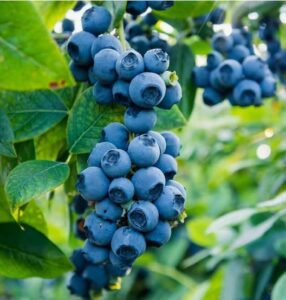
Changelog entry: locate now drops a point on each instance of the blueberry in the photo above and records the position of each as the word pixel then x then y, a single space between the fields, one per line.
pixel 212 96
pixel 159 236
pixel 108 210
pixel 156 60
pixel 217 15
pixel 239 53
pixel 149 20
pixel 229 73
pixel 67 25
pixel 168 165
pixel 159 139
pixel 116 163
pixel 79 205
pixel 104 65
pixel 268 86
pixel 170 204
pixel 117 134
pixel 238 37
pixel 139 120
pixel 179 186
pixel 127 243
pixel 157 42
pixel 136 8
pixel 99 231
pixel 173 144
pixel 78 286
pixel 79 229
pixel 222 43
pixel 92 184
pixel 143 216
pixel 214 59
pixel 147 90
pixel 273 46
pixel 201 76
pixel 148 183
pixel 91 76
pixel 247 93
pixel 133 29
pixel 129 64
pixel 94 159
pixel 78 260
pixel 119 262
pixel 79 73
pixel 79 5
pixel 96 20
pixel 140 43
pixel 173 96
pixel 120 92
pixel 96 274
pixel 106 41
pixel 160 5
pixel 121 190
pixel 144 150
pixel 253 68
pixel 114 271
pixel 79 48
pixel 94 254
pixel 102 93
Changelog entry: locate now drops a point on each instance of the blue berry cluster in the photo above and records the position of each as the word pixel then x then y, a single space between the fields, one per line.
pixel 268 31
pixel 129 182
pixel 234 72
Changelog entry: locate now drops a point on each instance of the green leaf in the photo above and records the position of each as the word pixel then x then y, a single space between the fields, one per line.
pixel 33 216
pixel 169 119
pixel 117 10
pixel 53 11
pixel 28 253
pixel 32 113
pixel 32 178
pixel 231 219
pixel 278 201
pixel 29 58
pixel 197 230
pixel 6 136
pixel 68 95
pixel 252 234
pixel 49 144
pixel 5 213
pixel 183 61
pixel 185 9
pixel 279 291
pixel 86 121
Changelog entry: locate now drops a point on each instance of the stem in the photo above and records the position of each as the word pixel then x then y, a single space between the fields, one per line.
pixel 69 158
pixel 122 36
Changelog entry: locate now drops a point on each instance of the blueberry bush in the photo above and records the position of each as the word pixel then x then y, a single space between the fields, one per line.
pixel 142 151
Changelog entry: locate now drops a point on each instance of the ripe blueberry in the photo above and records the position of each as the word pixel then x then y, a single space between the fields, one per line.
pixel 160 235
pixel 117 134
pixel 156 60
pixel 173 144
pixel 121 190
pixel 108 210
pixel 94 159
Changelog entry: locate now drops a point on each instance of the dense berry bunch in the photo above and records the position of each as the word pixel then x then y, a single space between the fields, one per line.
pixel 129 182
pixel 234 72
pixel 268 31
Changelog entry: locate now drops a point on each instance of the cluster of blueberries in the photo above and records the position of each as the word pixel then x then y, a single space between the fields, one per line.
pixel 136 8
pixel 124 77
pixel 128 183
pixel 268 30
pixel 234 72
pixel 136 201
